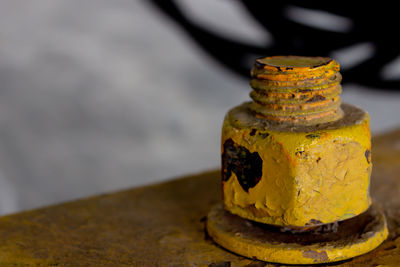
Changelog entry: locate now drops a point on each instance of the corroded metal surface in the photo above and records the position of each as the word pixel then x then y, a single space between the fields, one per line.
pixel 352 237
pixel 301 90
pixel 163 225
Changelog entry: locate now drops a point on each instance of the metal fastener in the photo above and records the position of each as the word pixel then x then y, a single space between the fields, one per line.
pixel 297 158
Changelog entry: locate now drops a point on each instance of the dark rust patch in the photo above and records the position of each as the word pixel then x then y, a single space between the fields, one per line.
pixel 312 228
pixel 301 154
pixel 315 98
pixel 246 165
pixel 315 255
pixel 314 222
pixel 253 132
pixel 312 136
pixel 368 155
pixel 305 90
pixel 264 135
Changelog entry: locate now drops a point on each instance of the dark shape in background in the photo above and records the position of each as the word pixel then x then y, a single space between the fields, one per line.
pixel 374 23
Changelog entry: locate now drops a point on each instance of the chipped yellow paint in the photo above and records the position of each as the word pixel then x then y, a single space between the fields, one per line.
pixel 307 176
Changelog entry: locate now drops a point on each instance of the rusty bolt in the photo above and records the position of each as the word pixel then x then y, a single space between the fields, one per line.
pixel 296 156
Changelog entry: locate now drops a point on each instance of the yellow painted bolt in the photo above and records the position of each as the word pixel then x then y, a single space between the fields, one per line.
pixel 298 159
pixel 295 156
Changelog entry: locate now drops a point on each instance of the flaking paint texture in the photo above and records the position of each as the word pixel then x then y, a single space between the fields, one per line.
pixel 317 176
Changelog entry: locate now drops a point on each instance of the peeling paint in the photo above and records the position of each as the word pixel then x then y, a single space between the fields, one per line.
pixel 317 256
pixel 368 155
pixel 246 165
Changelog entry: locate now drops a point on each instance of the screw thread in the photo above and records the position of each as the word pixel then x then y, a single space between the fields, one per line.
pixel 297 90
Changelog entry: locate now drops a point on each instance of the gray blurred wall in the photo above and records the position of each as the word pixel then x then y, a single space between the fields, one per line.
pixel 98 95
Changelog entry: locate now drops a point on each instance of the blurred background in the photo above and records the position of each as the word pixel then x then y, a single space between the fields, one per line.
pixel 99 95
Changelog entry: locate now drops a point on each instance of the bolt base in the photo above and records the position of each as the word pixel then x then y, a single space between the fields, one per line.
pixel 354 237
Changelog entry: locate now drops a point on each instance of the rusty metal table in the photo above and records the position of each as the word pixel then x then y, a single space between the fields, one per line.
pixel 163 224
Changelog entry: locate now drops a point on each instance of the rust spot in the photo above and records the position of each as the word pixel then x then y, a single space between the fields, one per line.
pixel 318 159
pixel 316 256
pixel 264 135
pixel 246 165
pixel 312 136
pixel 368 155
pixel 314 222
pixel 253 132
pixel 301 154
pixel 316 98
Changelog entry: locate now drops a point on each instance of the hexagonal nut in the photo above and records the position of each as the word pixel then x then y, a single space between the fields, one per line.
pixel 296 176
